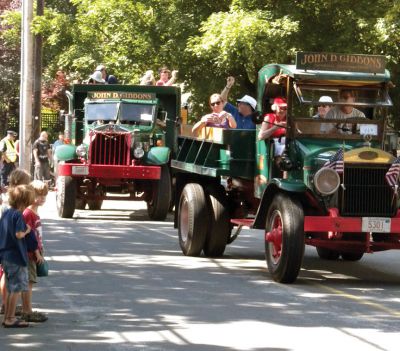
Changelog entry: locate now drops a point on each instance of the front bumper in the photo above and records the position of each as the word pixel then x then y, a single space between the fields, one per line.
pixel 109 171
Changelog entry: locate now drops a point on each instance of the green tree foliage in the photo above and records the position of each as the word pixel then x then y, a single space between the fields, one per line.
pixel 207 40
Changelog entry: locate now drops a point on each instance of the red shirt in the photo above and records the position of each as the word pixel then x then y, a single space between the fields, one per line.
pixel 33 220
pixel 273 118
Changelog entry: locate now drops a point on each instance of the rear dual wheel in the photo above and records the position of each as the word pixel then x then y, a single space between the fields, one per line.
pixel 203 221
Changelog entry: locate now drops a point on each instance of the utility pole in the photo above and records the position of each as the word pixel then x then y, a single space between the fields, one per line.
pixel 37 77
pixel 25 125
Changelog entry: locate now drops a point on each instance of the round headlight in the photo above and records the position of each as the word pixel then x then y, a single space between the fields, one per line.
pixel 326 181
pixel 138 152
pixel 81 150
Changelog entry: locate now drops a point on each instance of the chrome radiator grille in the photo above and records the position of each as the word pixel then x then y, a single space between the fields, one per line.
pixel 110 148
pixel 366 192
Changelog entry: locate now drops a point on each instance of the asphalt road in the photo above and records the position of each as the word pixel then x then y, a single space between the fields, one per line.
pixel 120 282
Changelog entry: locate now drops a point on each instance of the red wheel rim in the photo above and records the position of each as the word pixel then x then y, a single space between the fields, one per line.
pixel 274 237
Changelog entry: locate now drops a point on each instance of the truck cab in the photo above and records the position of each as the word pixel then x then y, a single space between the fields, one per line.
pixel 121 138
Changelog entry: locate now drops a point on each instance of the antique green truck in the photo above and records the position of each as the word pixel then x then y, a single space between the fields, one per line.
pixel 118 147
pixel 335 186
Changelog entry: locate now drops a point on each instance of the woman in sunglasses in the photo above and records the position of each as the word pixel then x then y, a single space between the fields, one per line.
pixel 217 118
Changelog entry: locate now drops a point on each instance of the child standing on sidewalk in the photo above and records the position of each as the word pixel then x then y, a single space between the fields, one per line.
pixel 35 250
pixel 13 251
pixel 17 177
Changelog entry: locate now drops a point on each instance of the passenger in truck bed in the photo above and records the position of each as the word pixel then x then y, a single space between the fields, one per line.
pixel 274 125
pixel 217 118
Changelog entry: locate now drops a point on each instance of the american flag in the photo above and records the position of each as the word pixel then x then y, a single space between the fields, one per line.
pixel 392 175
pixel 336 162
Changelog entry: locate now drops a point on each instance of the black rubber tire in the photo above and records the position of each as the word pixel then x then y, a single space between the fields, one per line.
pixel 95 205
pixel 158 206
pixel 80 204
pixel 286 267
pixel 65 196
pixel 352 256
pixel 192 219
pixel 327 254
pixel 219 226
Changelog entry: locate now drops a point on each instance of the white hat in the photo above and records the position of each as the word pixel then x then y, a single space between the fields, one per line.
pixel 97 77
pixel 100 67
pixel 325 99
pixel 248 100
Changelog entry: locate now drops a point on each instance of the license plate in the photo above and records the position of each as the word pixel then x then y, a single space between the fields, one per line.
pixel 80 170
pixel 375 225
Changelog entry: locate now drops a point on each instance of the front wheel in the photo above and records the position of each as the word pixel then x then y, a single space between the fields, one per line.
pixel 192 219
pixel 160 201
pixel 284 238
pixel 65 196
pixel 352 256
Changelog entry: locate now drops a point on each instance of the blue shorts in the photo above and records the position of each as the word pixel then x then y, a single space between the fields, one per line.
pixel 16 277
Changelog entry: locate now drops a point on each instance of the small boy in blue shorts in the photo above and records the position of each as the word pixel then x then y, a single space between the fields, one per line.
pixel 13 250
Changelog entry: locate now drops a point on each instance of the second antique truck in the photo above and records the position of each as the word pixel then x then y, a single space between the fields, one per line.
pixel 335 187
pixel 119 148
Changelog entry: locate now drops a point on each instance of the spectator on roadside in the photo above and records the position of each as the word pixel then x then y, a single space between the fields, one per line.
pixel 17 177
pixel 166 77
pixel 59 141
pixel 35 250
pixel 245 109
pixel 13 251
pixel 217 118
pixel 9 156
pixel 42 156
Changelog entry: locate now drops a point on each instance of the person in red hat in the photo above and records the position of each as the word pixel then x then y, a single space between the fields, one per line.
pixel 274 124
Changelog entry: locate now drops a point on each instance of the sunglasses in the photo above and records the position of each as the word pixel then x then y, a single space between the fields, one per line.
pixel 215 103
pixel 323 106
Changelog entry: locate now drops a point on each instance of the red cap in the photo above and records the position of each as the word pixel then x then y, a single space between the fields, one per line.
pixel 280 101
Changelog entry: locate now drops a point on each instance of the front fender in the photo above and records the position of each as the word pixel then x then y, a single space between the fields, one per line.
pixel 66 152
pixel 158 155
pixel 274 186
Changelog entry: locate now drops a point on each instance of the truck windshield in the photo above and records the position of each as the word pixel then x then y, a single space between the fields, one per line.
pixel 101 111
pixel 137 113
pixel 363 96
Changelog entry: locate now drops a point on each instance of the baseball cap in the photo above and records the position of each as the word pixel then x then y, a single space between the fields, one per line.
pixel 97 77
pixel 325 98
pixel 280 101
pixel 248 100
pixel 12 132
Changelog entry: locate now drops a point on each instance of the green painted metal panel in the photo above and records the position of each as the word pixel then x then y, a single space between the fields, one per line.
pixel 66 152
pixel 158 155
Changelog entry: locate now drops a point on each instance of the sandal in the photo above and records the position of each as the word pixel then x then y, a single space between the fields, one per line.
pixel 17 324
pixel 35 317
pixel 18 310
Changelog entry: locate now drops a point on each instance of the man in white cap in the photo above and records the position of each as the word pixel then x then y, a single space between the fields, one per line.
pixel 108 78
pixel 324 106
pixel 9 156
pixel 246 106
